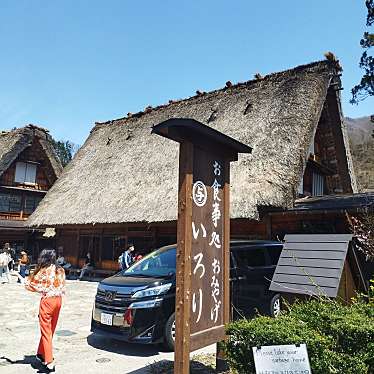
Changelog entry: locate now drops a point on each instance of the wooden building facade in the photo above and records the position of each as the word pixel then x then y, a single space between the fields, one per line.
pixel 121 186
pixel 28 169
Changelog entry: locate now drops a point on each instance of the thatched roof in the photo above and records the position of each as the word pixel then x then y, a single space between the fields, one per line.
pixel 12 143
pixel 124 174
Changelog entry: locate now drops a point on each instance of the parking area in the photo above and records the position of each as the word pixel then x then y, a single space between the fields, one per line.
pixel 75 348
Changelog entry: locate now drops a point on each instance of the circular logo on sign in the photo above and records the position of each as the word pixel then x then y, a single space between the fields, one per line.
pixel 199 193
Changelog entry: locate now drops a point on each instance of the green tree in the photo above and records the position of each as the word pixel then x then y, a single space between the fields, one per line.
pixel 366 87
pixel 65 150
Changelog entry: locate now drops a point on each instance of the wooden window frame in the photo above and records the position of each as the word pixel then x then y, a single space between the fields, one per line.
pixel 27 165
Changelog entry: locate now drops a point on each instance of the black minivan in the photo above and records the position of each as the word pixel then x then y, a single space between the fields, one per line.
pixel 137 305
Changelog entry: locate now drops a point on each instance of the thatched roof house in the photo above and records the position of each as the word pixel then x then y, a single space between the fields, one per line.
pixel 13 142
pixel 124 174
pixel 28 168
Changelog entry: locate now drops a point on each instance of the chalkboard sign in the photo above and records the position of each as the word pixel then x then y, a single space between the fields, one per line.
pixel 281 359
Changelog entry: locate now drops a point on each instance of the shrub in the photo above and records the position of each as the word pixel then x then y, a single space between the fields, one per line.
pixel 339 338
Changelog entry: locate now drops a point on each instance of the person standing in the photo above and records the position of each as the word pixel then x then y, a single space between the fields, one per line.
pixel 4 269
pixel 23 264
pixel 48 279
pixel 127 258
pixel 11 253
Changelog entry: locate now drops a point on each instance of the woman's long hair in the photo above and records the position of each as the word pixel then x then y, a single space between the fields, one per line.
pixel 46 258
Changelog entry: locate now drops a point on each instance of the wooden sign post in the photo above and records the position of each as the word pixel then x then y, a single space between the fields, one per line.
pixel 203 254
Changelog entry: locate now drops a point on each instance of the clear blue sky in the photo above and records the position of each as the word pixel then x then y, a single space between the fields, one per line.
pixel 66 64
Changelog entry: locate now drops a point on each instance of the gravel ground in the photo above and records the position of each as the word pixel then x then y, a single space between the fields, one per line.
pixel 76 349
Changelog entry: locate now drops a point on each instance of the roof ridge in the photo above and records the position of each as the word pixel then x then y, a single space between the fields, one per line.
pixel 333 65
pixel 16 140
pixel 29 126
pixel 36 127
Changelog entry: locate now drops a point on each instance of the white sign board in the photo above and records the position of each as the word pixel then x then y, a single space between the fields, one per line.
pixel 281 359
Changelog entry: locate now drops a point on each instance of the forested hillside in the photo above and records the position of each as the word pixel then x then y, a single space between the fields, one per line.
pixel 360 132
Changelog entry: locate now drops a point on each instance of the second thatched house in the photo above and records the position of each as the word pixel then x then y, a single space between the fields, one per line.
pixel 28 168
pixel 122 184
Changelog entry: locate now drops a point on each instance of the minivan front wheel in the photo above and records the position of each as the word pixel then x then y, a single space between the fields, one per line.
pixel 275 306
pixel 169 334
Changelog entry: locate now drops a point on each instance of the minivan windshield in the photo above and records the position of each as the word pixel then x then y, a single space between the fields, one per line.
pixel 159 263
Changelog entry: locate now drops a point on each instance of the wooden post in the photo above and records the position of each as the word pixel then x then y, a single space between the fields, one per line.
pixel 78 246
pixel 154 230
pixel 23 199
pixel 182 314
pixel 345 270
pixel 203 257
pixel 268 226
pixel 100 247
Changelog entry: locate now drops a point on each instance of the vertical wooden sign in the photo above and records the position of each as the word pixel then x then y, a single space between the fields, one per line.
pixel 208 296
pixel 202 289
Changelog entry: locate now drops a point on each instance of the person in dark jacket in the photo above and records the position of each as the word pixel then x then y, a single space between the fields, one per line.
pixel 23 265
pixel 127 259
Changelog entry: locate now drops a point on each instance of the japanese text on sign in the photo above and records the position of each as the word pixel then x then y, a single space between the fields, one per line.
pixel 207 253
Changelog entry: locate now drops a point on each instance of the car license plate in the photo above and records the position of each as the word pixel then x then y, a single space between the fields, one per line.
pixel 106 319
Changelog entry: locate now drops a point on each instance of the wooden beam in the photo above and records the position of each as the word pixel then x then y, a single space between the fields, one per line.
pixel 78 249
pixel 183 303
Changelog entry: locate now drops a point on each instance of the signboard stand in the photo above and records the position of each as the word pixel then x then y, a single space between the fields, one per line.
pixel 184 237
pixel 203 257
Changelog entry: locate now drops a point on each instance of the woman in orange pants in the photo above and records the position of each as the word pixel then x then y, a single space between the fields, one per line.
pixel 48 279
